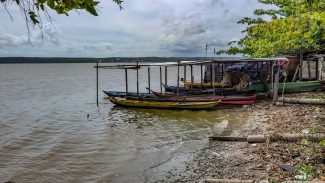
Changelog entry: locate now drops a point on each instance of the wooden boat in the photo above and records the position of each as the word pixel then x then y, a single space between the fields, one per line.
pixel 195 91
pixel 288 87
pixel 162 104
pixel 208 97
pixel 193 99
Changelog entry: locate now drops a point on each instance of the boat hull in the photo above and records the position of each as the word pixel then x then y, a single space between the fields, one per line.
pixel 162 104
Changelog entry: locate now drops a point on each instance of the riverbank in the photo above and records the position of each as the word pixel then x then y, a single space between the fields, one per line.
pixel 274 162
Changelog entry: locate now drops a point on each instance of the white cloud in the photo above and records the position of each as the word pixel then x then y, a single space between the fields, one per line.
pixel 143 28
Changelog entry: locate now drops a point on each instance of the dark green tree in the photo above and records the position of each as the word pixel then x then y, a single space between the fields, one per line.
pixel 33 8
pixel 292 27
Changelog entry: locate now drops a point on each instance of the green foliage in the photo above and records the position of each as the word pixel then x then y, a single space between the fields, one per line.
pixel 308 169
pixel 33 7
pixel 292 27
pixel 322 144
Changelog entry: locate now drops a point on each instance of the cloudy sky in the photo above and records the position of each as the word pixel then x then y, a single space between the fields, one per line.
pixel 143 28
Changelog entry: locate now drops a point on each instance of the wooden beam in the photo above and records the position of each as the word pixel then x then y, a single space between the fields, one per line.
pixel 192 77
pixel 149 80
pixel 184 73
pixel 137 81
pixel 300 65
pixel 178 80
pixel 97 83
pixel 276 86
pixel 126 82
pixel 160 79
pixel 165 75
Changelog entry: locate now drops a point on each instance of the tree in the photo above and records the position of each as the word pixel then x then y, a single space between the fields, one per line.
pixel 294 26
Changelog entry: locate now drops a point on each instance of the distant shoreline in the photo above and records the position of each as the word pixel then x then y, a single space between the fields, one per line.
pixel 45 60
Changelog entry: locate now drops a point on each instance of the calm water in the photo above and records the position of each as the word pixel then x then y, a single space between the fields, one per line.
pixel 45 135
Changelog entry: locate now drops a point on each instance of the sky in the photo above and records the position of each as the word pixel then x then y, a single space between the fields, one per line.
pixel 163 28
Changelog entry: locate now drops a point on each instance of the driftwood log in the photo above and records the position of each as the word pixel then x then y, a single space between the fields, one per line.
pixel 271 138
pixel 302 101
pixel 227 181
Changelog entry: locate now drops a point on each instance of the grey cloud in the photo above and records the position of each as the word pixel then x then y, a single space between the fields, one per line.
pixel 9 40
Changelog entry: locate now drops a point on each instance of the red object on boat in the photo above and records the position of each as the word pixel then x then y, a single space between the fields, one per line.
pixel 207 97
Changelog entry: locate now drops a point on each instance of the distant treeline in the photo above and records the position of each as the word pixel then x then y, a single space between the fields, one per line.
pixel 17 60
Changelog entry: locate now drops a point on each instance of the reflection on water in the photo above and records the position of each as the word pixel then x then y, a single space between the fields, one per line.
pixel 52 131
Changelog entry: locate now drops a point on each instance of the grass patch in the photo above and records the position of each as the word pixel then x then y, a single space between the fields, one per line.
pixel 322 96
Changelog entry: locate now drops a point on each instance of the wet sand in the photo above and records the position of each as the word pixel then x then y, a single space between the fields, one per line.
pixel 240 160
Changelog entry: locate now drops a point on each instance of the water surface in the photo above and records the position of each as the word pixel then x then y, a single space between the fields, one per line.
pixel 52 131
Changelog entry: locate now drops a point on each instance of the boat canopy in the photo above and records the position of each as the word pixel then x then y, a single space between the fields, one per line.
pixel 194 62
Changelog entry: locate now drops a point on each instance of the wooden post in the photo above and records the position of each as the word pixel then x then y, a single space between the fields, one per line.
pixel 300 65
pixel 149 79
pixel 218 73
pixel 184 73
pixel 137 80
pixel 160 79
pixel 126 82
pixel 309 74
pixel 276 86
pixel 320 68
pixel 212 70
pixel 271 76
pixel 261 72
pixel 97 83
pixel 201 74
pixel 165 75
pixel 317 73
pixel 222 71
pixel 296 73
pixel 213 79
pixel 192 76
pixel 177 80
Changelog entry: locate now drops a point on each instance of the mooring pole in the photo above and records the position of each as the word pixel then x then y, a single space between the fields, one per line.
pixel 276 85
pixel 137 80
pixel 184 73
pixel 97 83
pixel 222 70
pixel 192 77
pixel 211 71
pixel 165 76
pixel 213 79
pixel 201 74
pixel 272 76
pixel 301 58
pixel 261 72
pixel 160 79
pixel 149 79
pixel 177 80
pixel 126 82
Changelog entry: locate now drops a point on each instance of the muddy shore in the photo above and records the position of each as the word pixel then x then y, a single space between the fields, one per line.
pixel 272 162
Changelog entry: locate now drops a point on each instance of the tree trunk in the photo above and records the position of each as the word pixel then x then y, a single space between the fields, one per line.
pixel 303 101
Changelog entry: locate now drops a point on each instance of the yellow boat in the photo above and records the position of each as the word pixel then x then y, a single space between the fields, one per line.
pixel 162 104
pixel 197 84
